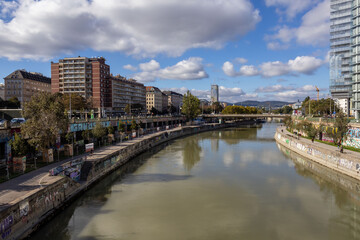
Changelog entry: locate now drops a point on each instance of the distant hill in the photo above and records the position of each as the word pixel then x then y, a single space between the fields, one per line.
pixel 266 104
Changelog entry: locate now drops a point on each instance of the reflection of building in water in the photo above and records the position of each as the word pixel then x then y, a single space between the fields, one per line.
pixel 215 143
pixel 344 191
pixel 191 152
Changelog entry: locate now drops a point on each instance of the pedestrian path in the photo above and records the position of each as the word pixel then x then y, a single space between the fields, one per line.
pixel 322 145
pixel 19 188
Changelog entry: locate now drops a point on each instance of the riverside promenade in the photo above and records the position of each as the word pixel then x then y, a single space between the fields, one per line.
pixel 29 200
pixel 347 162
pixel 17 189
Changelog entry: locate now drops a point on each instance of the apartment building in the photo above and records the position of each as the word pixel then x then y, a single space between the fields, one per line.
pixel 88 77
pixel 2 91
pixel 164 102
pixel 22 85
pixel 126 91
pixel 154 98
pixel 340 51
pixel 174 99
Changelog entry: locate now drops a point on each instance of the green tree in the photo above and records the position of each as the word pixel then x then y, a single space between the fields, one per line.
pixel 14 102
pixel 121 127
pixel 217 107
pixel 310 129
pixel 127 108
pixel 240 110
pixel 110 129
pixel 69 137
pixel 289 123
pixel 99 131
pixel 45 119
pixel 319 107
pixel 86 134
pixel 77 102
pixel 340 128
pixel 134 126
pixel 19 146
pixel 191 106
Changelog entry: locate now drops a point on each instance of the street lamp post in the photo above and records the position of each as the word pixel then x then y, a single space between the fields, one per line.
pixel 70 106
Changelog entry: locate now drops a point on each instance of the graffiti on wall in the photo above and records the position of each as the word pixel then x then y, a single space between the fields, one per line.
pixel 353 138
pixel 326 157
pixel 70 169
pixel 5 226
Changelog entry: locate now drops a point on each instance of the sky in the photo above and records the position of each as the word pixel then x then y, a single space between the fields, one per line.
pixel 253 49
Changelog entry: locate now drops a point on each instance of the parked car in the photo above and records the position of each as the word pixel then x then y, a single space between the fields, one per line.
pixel 16 121
pixel 2 122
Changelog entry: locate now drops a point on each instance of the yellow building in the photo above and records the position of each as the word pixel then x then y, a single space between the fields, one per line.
pixel 23 85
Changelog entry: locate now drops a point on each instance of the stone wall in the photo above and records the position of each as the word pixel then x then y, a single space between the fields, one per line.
pixel 348 164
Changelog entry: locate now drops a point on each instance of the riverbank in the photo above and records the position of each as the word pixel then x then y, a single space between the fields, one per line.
pixel 26 203
pixel 347 162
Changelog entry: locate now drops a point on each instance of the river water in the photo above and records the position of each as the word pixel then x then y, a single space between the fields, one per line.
pixel 229 184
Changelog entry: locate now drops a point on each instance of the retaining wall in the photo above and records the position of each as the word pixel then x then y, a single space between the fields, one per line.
pixel 346 163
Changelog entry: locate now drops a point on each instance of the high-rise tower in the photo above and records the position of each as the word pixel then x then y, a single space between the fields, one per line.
pixel 340 51
pixel 355 37
pixel 214 93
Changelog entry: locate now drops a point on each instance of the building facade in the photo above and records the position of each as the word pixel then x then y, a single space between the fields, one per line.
pixel 340 51
pixel 2 91
pixel 154 99
pixel 126 91
pixel 214 93
pixel 23 85
pixel 356 58
pixel 88 77
pixel 174 99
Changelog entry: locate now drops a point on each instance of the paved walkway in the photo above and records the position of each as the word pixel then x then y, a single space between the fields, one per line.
pixel 19 188
pixel 322 145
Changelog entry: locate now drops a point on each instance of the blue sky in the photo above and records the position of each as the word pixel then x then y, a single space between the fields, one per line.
pixel 254 50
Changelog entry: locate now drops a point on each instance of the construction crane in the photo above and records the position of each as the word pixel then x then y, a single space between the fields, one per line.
pixel 317 89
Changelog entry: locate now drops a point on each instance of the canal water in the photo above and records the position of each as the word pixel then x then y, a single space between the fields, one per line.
pixel 229 184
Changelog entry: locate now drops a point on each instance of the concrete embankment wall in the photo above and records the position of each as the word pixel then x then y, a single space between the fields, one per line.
pixel 315 171
pixel 22 217
pixel 345 163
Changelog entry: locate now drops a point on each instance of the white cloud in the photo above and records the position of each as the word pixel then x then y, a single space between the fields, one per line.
pixel 314 29
pixel 149 66
pixel 291 8
pixel 249 70
pixel 44 29
pixel 301 64
pixel 229 70
pixel 290 93
pixel 189 69
pixel 246 70
pixel 130 67
pixel 277 46
pixel 241 60
pixel 272 69
pixel 231 95
pixel 273 88
pixel 305 64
